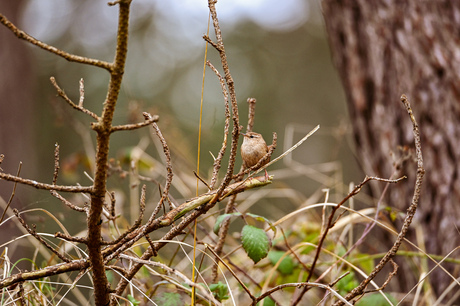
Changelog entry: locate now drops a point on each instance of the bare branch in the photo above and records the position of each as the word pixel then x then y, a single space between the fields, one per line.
pixel 206 198
pixel 390 276
pixel 208 40
pixel 70 238
pixel 35 184
pixel 82 93
pixel 103 128
pixel 170 270
pixel 136 224
pixel 12 193
pixel 56 164
pixel 34 233
pixel 298 285
pixel 64 96
pixel 410 211
pixel 169 175
pixel 330 224
pixel 68 56
pixel 129 127
pixel 75 265
pixel 202 180
pixel 231 90
pixel 218 160
pixel 67 203
pixel 251 114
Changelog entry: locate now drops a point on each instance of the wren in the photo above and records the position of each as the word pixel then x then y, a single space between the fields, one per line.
pixel 253 149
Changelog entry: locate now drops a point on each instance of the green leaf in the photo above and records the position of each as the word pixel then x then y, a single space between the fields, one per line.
pixel 376 299
pixel 268 302
pixel 221 219
pixel 286 265
pixel 133 300
pixel 169 299
pixel 347 283
pixel 365 262
pixel 255 242
pixel 263 219
pixel 220 291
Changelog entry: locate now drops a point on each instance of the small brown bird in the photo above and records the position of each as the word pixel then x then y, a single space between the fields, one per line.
pixel 253 149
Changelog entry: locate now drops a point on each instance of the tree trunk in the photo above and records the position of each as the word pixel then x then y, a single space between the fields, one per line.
pixel 16 107
pixel 383 49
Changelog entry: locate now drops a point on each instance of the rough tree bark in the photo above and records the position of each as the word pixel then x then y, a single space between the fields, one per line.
pixel 383 49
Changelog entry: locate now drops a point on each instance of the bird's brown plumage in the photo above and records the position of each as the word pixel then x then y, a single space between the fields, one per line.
pixel 253 149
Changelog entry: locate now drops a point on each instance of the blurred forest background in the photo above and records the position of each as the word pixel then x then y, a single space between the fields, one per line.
pixel 278 53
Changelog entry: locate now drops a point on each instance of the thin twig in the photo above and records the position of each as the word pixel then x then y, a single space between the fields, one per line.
pixel 170 270
pixel 169 175
pixel 12 193
pixel 230 207
pixel 202 180
pixel 22 299
pixel 251 114
pixel 218 160
pixel 410 211
pixel 231 90
pixel 40 239
pixel 70 102
pixel 233 273
pixel 208 197
pixel 330 223
pixel 136 224
pixel 67 203
pixel 56 164
pixel 75 265
pixel 208 40
pixel 68 56
pixel 82 93
pixel 390 276
pixel 129 127
pixel 35 184
pixel 71 238
pixel 307 284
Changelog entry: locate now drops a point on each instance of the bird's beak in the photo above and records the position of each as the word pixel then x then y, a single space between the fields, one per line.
pixel 244 134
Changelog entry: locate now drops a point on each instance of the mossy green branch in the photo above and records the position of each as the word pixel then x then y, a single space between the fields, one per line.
pixel 207 197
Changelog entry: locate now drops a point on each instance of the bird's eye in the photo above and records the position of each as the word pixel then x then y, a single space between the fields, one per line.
pixel 252 136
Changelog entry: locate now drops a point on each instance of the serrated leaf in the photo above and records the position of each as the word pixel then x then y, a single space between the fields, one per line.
pixel 220 291
pixel 286 266
pixel 221 219
pixel 255 242
pixel 263 219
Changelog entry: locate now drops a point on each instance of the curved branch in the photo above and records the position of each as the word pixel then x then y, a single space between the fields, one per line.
pixel 68 56
pixel 410 211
